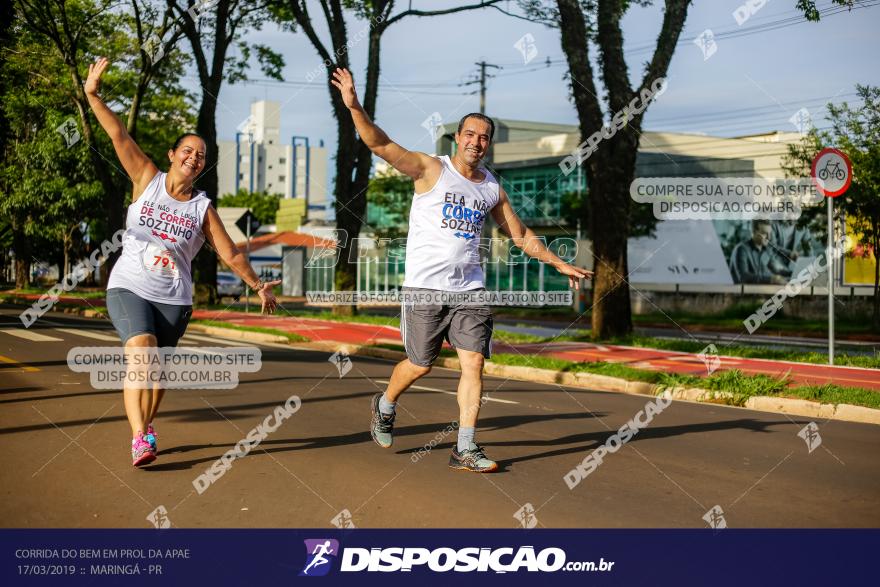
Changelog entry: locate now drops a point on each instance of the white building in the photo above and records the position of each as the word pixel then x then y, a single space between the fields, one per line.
pixel 260 159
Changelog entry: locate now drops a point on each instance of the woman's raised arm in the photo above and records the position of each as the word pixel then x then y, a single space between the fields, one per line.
pixel 137 165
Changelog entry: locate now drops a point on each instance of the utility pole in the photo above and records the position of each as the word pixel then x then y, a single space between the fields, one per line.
pixel 481 79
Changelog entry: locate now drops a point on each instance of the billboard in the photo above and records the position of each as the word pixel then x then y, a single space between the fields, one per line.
pixel 723 252
pixel 860 261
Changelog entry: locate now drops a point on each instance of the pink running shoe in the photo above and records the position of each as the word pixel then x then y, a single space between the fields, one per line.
pixel 141 452
pixel 150 437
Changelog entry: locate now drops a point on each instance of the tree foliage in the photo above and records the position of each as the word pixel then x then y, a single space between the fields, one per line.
pixel 263 204
pixel 53 195
pixel 392 193
pixel 592 39
pixel 855 130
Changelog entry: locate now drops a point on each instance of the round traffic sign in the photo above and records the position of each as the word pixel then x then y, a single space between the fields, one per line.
pixel 831 172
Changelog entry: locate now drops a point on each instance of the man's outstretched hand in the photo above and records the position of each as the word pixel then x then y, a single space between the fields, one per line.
pixel 574 274
pixel 342 79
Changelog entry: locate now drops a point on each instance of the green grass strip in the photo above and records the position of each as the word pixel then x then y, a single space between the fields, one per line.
pixel 739 385
pixel 291 336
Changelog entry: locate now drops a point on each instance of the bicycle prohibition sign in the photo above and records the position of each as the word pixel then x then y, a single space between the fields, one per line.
pixel 831 172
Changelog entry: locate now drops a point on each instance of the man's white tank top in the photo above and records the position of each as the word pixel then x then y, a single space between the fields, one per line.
pixel 445 227
pixel 162 236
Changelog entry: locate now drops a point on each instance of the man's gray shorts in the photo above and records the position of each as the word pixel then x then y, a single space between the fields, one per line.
pixel 423 328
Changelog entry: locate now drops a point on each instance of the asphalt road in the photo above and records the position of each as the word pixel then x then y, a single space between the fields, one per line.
pixel 64 452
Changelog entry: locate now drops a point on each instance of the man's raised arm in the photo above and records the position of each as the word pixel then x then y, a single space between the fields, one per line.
pixel 416 165
pixel 531 244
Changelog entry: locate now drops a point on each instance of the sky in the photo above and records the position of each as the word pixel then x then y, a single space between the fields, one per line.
pixel 760 74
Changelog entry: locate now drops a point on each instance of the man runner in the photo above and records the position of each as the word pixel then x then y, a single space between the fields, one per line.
pixel 452 198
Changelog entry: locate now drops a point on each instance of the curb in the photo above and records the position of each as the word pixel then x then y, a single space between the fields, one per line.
pixel 779 405
pixel 240 334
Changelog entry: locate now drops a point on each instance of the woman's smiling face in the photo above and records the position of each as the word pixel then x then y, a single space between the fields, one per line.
pixel 188 159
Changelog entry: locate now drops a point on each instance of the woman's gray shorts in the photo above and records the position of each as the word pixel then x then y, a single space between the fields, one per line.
pixel 132 315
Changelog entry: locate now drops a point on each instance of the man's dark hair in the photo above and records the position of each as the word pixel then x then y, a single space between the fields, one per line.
pixel 187 134
pixel 479 116
pixel 760 222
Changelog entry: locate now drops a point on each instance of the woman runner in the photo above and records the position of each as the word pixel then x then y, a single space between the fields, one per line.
pixel 149 293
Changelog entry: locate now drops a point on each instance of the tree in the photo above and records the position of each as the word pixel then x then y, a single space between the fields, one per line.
pixel 74 28
pixel 6 38
pixel 391 193
pixel 48 186
pixel 353 159
pixel 212 27
pixel 263 204
pixel 610 168
pixel 855 130
pixel 79 30
pixel 155 35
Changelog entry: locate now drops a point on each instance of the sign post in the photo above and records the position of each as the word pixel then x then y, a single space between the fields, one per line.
pixel 248 224
pixel 832 174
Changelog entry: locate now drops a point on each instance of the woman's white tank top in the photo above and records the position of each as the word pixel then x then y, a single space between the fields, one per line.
pixel 162 236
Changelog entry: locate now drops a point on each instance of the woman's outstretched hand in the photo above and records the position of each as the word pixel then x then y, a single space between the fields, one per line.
pixel 96 70
pixel 269 301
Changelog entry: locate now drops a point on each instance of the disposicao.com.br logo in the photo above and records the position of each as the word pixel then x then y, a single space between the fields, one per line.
pixel 320 553
pixel 445 559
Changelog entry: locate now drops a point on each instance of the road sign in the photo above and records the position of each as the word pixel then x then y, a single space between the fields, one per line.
pixel 248 224
pixel 831 172
pixel 246 221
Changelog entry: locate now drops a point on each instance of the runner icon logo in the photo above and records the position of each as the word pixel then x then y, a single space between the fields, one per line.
pixel 715 518
pixel 159 518
pixel 320 554
pixel 802 121
pixel 434 125
pixel 343 520
pixel 526 46
pixel 810 434
pixel 342 362
pixel 69 131
pixel 526 516
pixel 709 356
pixel 706 43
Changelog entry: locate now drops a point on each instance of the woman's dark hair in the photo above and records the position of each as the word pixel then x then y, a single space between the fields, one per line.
pixel 478 116
pixel 184 135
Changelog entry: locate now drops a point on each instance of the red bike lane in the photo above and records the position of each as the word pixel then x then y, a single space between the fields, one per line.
pixel 637 357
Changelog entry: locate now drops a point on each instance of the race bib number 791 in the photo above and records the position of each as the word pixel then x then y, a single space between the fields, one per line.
pixel 160 260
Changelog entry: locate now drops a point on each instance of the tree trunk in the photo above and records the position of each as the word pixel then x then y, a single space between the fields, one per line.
pixel 136 101
pixel 348 213
pixel 205 263
pixel 22 248
pixel 875 321
pixel 67 246
pixel 611 169
pixel 354 156
pixel 609 173
pixel 113 192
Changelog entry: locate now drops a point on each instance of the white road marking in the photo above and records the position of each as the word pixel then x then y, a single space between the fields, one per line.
pixel 89 334
pixel 200 338
pixel 28 335
pixel 200 351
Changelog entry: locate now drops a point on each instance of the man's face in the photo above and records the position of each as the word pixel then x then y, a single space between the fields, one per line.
pixel 761 235
pixel 473 140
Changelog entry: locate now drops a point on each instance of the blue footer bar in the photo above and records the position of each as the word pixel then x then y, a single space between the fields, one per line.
pixel 438 557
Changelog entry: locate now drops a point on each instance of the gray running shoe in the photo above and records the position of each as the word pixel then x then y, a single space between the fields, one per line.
pixel 473 459
pixel 381 426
